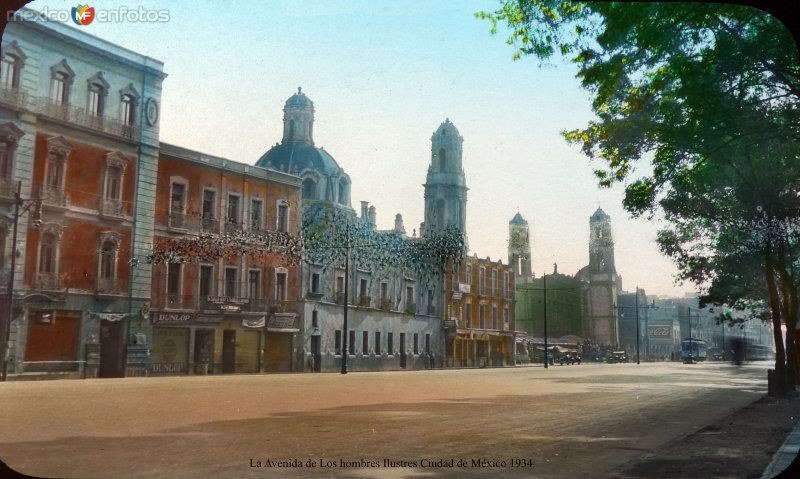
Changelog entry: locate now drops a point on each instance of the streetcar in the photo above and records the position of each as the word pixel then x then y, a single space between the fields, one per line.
pixel 693 350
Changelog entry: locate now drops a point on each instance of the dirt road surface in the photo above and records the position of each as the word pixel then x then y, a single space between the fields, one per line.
pixel 567 421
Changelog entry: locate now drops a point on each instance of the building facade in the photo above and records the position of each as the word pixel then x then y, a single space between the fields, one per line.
pixel 481 314
pixel 79 138
pixel 230 313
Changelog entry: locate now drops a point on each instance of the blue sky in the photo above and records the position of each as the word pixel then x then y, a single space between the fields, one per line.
pixel 383 75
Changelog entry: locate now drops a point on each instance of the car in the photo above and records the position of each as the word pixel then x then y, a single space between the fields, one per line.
pixel 569 358
pixel 618 357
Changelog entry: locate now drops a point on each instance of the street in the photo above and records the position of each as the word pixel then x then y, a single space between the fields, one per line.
pixel 565 421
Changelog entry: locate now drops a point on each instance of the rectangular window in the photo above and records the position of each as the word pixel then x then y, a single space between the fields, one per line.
pixel 494 282
pixel 5 161
pixel 233 209
pixel 505 319
pixel 280 286
pixel 409 295
pixel 428 343
pixel 494 317
pixel 209 198
pixel 384 292
pixel 481 278
pixel 174 278
pixel 177 205
pixel 351 345
pixel 314 319
pixel 468 315
pixel 256 212
pixel 468 274
pixel 283 217
pixel 95 101
pixel 206 281
pixel 340 284
pixel 55 171
pixel 230 282
pixel 365 343
pixel 113 181
pixel 254 284
pixel 390 343
pixel 505 282
pixel 8 72
pixel 337 341
pixel 128 109
pixel 58 89
pixel 377 342
pixel 416 343
pixel 107 253
pixel 481 319
pixel 315 282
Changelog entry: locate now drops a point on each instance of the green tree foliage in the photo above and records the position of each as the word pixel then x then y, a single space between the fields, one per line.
pixel 708 94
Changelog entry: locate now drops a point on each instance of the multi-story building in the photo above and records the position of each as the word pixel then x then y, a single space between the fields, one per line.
pixel 480 311
pixel 79 138
pixel 228 313
pixel 393 313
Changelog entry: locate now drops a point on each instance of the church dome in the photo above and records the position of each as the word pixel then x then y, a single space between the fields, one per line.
pixel 295 157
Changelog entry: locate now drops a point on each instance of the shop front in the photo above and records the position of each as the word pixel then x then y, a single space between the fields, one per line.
pixel 53 340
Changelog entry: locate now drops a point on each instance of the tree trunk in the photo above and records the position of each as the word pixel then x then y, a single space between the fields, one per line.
pixel 789 290
pixel 775 305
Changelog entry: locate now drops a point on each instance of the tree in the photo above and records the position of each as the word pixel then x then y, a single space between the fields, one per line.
pixel 709 95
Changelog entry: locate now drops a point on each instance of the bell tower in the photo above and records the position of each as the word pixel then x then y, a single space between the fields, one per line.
pixel 445 186
pixel 601 243
pixel 519 249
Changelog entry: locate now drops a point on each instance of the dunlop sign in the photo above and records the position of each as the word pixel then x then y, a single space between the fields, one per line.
pixel 172 318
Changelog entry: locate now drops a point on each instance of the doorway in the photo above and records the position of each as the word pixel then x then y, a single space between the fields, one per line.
pixel 204 351
pixel 112 359
pixel 403 350
pixel 316 353
pixel 229 351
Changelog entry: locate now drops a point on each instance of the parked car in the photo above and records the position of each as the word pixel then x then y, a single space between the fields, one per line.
pixel 618 357
pixel 569 358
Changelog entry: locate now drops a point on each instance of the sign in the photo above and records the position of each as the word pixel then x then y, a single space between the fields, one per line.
pixel 660 332
pixel 230 308
pixel 282 324
pixel 254 322
pixel 227 300
pixel 172 318
pixel 208 319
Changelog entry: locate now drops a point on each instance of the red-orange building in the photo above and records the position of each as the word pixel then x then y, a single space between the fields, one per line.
pixel 223 315
pixel 480 311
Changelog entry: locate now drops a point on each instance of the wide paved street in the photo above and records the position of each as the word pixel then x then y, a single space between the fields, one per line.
pixel 567 421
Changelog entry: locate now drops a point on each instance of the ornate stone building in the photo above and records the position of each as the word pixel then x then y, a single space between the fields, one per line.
pixel 79 125
pixel 519 249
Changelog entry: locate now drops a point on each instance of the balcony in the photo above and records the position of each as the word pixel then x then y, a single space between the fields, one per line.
pixel 52 195
pixel 8 187
pixel 111 207
pixel 107 286
pixel 431 311
pixel 209 225
pixel 386 304
pixel 47 281
pixel 228 304
pixel 179 301
pixel 276 307
pixel 232 227
pixel 16 97
pixel 364 301
pixel 81 117
pixel 411 307
pixel 339 298
pixel 450 324
pixel 178 220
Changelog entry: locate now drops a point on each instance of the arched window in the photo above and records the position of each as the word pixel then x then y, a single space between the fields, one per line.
pixel 309 189
pixel 344 193
pixel 291 129
pixel 442 159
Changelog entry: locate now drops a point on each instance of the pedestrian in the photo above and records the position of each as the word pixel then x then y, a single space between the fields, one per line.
pixel 433 360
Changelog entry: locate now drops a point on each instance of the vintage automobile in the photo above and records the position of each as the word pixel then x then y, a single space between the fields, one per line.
pixel 618 357
pixel 570 357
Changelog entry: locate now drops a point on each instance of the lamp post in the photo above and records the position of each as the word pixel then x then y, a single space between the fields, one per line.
pixel 9 303
pixel 544 303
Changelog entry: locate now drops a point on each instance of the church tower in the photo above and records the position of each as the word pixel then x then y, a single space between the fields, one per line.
pixel 445 187
pixel 519 249
pixel 298 118
pixel 601 244
pixel 601 284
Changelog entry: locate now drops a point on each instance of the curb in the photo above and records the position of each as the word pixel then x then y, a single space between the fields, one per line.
pixel 784 456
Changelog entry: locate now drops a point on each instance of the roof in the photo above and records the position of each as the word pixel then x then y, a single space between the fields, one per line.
pixel 296 156
pixel 518 220
pixel 599 215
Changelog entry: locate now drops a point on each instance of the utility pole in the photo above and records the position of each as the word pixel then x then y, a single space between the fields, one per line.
pixel 544 287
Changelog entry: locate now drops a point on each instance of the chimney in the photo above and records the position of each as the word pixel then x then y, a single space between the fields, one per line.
pixel 372 217
pixel 364 207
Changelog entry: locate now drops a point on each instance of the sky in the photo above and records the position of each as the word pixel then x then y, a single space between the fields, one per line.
pixel 383 75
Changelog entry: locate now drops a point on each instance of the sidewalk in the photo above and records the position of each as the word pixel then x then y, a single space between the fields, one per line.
pixel 785 456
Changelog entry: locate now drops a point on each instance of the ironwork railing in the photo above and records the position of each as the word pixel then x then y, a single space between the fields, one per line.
pixel 8 187
pixel 80 116
pixel 107 285
pixel 47 281
pixel 16 97
pixel 178 301
pixel 232 227
pixel 111 207
pixel 178 220
pixel 209 225
pixel 52 195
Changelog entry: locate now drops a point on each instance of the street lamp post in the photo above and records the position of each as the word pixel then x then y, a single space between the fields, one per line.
pixel 544 288
pixel 6 335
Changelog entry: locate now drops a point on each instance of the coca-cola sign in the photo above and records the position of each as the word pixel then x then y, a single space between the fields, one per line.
pixel 660 332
